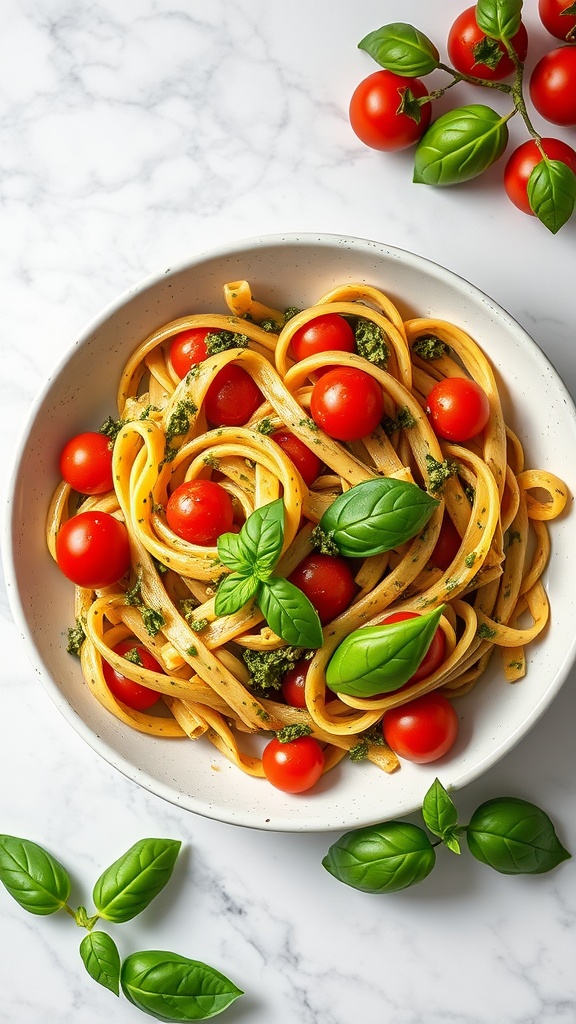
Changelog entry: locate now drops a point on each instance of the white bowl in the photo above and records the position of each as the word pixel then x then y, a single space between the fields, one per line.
pixel 287 270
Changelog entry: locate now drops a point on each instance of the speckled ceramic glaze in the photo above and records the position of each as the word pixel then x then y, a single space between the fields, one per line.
pixel 286 270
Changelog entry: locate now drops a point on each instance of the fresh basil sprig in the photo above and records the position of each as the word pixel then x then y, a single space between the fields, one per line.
pixel 172 988
pixel 510 835
pixel 165 985
pixel 252 555
pixel 460 145
pixel 374 516
pixel 377 659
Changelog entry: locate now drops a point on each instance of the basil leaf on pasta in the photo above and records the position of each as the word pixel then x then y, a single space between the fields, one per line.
pixel 233 593
pixel 375 516
pixel 377 659
pixel 289 613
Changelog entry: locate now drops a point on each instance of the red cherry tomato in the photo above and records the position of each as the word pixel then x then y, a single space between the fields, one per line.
pixel 374 111
pixel 295 766
pixel 93 550
pixel 553 17
pixel 307 463
pixel 347 403
pixel 188 348
pixel 464 37
pixel 553 86
pixel 458 408
pixel 232 398
pixel 134 695
pixel 86 463
pixel 447 545
pixel 434 655
pixel 423 730
pixel 523 161
pixel 199 511
pixel 327 582
pixel 327 333
pixel 294 684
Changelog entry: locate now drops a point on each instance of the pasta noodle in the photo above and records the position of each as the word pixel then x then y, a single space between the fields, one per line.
pixel 492 590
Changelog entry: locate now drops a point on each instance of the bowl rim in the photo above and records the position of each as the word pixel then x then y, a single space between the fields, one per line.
pixel 100 746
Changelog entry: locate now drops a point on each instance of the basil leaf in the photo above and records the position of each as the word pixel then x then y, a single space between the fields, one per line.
pixel 551 191
pixel 32 876
pixel 402 49
pixel 233 552
pixel 460 145
pixel 289 613
pixel 376 515
pixel 263 535
pixel 381 858
pixel 102 960
pixel 131 883
pixel 233 593
pixel 514 837
pixel 172 988
pixel 377 659
pixel 499 19
pixel 440 814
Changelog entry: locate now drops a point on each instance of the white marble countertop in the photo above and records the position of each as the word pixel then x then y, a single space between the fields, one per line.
pixel 136 134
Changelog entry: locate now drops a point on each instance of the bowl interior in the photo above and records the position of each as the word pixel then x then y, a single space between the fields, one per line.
pixel 79 395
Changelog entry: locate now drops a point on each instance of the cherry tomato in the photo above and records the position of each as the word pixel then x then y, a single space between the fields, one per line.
pixel 134 695
pixel 458 408
pixel 553 86
pixel 434 655
pixel 447 545
pixel 232 397
pixel 93 550
pixel 86 463
pixel 294 683
pixel 294 766
pixel 199 511
pixel 347 403
pixel 307 463
pixel 327 582
pixel 375 114
pixel 523 161
pixel 326 333
pixel 553 17
pixel 188 348
pixel 464 37
pixel 423 730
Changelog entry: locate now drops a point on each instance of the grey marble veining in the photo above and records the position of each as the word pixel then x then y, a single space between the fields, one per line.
pixel 133 135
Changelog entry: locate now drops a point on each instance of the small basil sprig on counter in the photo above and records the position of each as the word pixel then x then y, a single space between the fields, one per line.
pixel 165 985
pixel 510 835
pixel 252 555
pixel 373 516
pixel 377 659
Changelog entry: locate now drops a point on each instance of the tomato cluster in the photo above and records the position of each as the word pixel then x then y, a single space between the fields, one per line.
pixel 486 44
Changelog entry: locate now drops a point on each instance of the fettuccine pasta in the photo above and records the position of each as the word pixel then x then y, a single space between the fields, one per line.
pixel 492 591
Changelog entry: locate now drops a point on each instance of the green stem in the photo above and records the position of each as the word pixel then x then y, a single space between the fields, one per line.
pixel 459 76
pixel 518 94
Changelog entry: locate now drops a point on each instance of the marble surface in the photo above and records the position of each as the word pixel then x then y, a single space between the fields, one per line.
pixel 134 135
